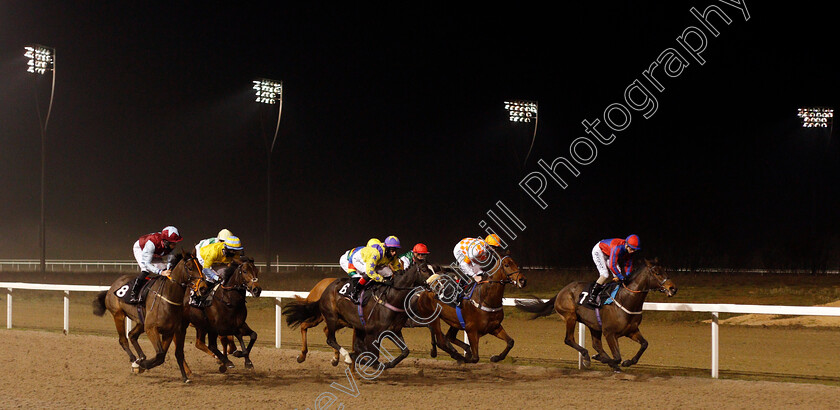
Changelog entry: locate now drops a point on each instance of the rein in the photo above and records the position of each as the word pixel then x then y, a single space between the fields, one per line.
pixel 624 285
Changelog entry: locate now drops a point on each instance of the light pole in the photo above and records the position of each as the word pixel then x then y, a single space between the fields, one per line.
pixel 522 111
pixel 269 92
pixel 41 60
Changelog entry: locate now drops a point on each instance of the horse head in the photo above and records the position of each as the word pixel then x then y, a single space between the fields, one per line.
pixel 658 279
pixel 507 266
pixel 185 269
pixel 247 276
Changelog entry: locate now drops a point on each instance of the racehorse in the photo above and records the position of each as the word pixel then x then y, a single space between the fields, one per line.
pixel 226 313
pixel 384 310
pixel 482 315
pixel 161 313
pixel 618 319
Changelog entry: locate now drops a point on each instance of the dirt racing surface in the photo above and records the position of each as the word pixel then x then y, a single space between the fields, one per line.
pixel 52 370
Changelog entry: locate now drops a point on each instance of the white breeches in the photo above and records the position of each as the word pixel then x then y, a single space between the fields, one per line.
pixel 601 263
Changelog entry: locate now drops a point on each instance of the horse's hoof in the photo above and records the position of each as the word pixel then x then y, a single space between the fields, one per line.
pixel 187 381
pixel 433 353
pixel 627 363
pixel 495 359
pixel 230 365
pixel 222 369
pixel 587 363
pixel 348 359
pixel 238 353
pixel 334 362
pixel 135 365
pixel 300 359
pixel 249 366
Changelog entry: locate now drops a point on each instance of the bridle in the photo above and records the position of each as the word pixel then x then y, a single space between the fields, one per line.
pixel 244 283
pixel 499 267
pixel 662 279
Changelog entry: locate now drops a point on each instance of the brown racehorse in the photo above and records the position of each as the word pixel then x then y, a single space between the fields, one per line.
pixel 226 313
pixel 482 313
pixel 618 319
pixel 163 312
pixel 384 311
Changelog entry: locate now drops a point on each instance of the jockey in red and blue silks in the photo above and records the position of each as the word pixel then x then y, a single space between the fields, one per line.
pixel 610 256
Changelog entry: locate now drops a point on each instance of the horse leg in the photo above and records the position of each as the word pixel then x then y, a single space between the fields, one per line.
pixel 501 334
pixel 179 337
pixel 160 354
pixel 612 341
pixel 337 355
pixel 404 352
pixel 225 363
pixel 598 345
pixel 246 351
pixel 452 336
pixel 432 352
pixel 119 321
pixel 473 336
pixel 201 345
pixel 636 336
pixel 330 332
pixel 134 336
pixel 304 348
pixel 443 342
pixel 571 323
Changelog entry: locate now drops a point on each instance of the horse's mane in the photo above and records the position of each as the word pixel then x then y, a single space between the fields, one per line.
pixel 176 258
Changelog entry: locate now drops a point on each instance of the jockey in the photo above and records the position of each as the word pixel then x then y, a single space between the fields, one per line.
pixel 391 259
pixel 472 255
pixel 149 251
pixel 365 262
pixel 220 237
pixel 414 256
pixel 348 261
pixel 610 256
pixel 219 252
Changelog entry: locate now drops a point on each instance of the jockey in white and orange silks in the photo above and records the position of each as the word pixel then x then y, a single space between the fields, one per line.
pixel 473 255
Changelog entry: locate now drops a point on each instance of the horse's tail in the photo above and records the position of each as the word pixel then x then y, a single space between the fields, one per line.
pixel 99 303
pixel 299 311
pixel 536 306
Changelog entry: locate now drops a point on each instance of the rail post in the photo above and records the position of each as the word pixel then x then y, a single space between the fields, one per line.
pixel 278 322
pixel 715 345
pixel 66 312
pixel 581 342
pixel 8 308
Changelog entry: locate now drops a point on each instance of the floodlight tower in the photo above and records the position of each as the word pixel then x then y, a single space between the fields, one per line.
pixel 523 112
pixel 41 60
pixel 269 92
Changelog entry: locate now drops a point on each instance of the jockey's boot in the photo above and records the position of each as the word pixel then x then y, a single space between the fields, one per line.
pixel 357 285
pixel 135 290
pixel 596 289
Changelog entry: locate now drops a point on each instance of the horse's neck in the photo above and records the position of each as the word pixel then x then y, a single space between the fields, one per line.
pixel 493 292
pixel 637 290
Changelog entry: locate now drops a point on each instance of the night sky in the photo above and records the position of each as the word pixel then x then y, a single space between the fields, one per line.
pixel 393 123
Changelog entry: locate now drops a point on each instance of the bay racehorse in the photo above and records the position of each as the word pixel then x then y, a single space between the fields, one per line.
pixel 161 313
pixel 481 312
pixel 226 313
pixel 618 319
pixel 383 311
